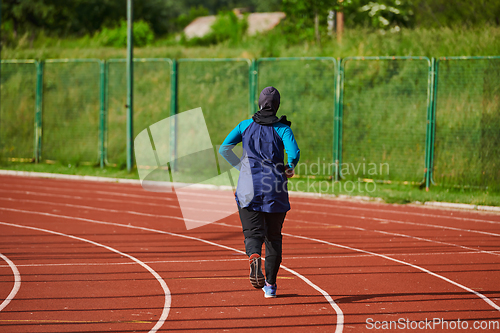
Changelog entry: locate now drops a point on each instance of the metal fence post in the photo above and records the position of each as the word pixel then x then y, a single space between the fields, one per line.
pixel 173 111
pixel 106 112
pixel 38 110
pixel 102 113
pixel 130 87
pixel 254 68
pixel 251 85
pixel 339 93
pixel 433 123
pixel 430 121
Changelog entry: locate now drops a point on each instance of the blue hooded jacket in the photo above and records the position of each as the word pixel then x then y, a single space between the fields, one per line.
pixel 262 184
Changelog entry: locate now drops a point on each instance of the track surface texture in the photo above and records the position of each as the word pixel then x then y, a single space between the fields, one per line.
pixel 105 257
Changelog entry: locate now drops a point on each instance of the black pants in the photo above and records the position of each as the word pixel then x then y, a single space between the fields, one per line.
pixel 260 228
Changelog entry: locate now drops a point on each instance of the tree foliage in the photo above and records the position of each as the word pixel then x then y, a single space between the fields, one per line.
pixel 78 17
pixel 117 37
pixel 387 14
pixel 86 17
pixel 373 13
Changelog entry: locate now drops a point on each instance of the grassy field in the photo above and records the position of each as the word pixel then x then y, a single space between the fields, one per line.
pixel 458 41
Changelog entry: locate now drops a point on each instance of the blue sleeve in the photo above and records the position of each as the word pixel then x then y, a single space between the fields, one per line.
pixel 291 147
pixel 233 138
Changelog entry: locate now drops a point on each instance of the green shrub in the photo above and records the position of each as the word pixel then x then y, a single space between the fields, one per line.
pixel 117 37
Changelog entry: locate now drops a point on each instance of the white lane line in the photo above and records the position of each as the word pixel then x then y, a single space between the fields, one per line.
pixel 402 222
pixel 495 253
pixel 155 262
pixel 120 194
pixel 488 301
pixel 92 179
pixel 76 197
pixel 294 202
pixel 291 220
pixel 338 311
pixel 230 209
pixel 298 211
pixel 484 298
pixel 17 282
pixel 166 291
pixel 382 210
pixel 180 218
pixel 340 316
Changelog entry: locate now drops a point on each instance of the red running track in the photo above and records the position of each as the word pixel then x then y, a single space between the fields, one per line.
pixel 93 257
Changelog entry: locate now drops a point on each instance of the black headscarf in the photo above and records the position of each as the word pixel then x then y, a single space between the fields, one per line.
pixel 269 103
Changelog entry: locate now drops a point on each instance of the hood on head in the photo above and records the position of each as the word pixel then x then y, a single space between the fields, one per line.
pixel 269 99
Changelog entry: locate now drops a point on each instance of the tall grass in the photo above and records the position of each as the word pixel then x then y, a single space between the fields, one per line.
pixel 458 41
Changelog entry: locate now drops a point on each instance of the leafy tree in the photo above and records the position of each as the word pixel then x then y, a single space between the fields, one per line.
pixel 306 19
pixel 301 16
pixel 388 13
pixel 78 17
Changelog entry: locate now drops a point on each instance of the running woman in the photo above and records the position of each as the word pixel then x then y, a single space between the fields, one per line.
pixel 262 193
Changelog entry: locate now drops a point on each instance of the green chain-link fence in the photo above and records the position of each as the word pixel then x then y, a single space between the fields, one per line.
pixel 467 135
pixel 385 105
pixel 380 118
pixel 151 101
pixel 219 87
pixel 71 108
pixel 17 109
pixel 307 89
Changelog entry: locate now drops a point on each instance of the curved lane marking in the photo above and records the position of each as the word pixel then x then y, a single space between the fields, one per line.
pixel 296 210
pixel 290 219
pixel 382 210
pixel 17 282
pixel 340 319
pixel 484 298
pixel 401 222
pixel 168 298
pixel 487 300
pixel 401 235
pixel 338 311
